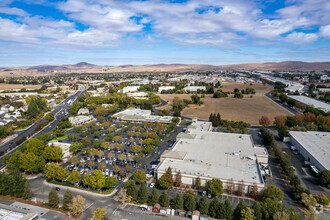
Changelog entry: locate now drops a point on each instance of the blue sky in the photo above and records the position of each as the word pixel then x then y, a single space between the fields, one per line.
pixel 117 32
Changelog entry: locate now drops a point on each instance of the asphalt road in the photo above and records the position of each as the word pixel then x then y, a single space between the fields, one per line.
pixel 59 112
pixel 269 95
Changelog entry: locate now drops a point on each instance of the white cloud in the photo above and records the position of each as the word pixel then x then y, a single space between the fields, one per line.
pixel 299 37
pixel 325 31
pixel 13 11
pixel 207 22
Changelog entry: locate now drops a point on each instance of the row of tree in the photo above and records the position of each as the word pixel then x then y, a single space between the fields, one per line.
pixel 216 120
pixel 270 208
pixel 300 194
pixel 74 204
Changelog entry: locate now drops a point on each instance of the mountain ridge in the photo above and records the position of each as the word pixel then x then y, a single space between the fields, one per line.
pixel 85 67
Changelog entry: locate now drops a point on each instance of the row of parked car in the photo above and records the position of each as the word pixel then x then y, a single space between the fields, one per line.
pixel 313 168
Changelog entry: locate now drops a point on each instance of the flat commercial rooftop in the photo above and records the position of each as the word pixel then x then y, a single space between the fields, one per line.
pixel 200 126
pixel 216 155
pixel 316 143
pixel 309 101
pixel 145 115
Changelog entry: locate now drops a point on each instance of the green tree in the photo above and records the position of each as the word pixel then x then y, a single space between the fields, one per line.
pixel 291 121
pixel 270 207
pixel 214 207
pixel 99 214
pixel 228 210
pixel 136 148
pixel 190 203
pixel 67 199
pixel 139 176
pixel 143 193
pixel 178 202
pixel 323 178
pixel 274 193
pixel 131 189
pixel 283 131
pixel 35 146
pixel 247 214
pixel 154 197
pixel 110 181
pixel 52 153
pixel 165 181
pixel 214 187
pixel 53 198
pixel 203 205
pixel 164 199
pixel 257 211
pixel 238 210
pixel 27 192
pixel 74 177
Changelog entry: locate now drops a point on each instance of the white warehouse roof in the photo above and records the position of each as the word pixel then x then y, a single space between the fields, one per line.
pixel 216 155
pixel 309 101
pixel 316 143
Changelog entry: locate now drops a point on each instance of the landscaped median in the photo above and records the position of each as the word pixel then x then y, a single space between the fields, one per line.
pixel 76 189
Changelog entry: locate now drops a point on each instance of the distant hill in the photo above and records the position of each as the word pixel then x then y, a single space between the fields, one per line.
pixel 84 67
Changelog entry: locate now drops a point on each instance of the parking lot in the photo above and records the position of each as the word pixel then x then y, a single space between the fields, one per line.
pixel 120 147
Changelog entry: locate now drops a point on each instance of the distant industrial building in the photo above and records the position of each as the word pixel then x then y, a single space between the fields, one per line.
pixel 129 89
pixel 194 88
pixel 138 95
pixel 83 111
pixel 313 146
pixel 309 101
pixel 199 152
pixel 138 115
pixel 81 119
pixel 165 88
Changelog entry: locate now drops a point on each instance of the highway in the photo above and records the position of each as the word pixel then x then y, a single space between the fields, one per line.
pixel 60 111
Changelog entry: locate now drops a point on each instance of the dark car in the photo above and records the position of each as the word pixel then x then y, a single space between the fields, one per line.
pixel 57 189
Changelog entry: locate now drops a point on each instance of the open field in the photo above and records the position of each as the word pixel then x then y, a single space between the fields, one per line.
pixel 247 109
pixel 259 87
pixel 4 86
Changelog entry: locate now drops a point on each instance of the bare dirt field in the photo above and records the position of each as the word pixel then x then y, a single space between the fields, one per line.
pixel 4 86
pixel 247 109
pixel 259 87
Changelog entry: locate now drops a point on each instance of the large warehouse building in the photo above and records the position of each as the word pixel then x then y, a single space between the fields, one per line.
pixel 199 152
pixel 313 146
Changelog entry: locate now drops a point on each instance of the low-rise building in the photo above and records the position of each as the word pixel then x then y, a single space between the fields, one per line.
pixel 138 115
pixel 129 89
pixel 83 111
pixel 314 146
pixel 312 102
pixel 12 213
pixel 232 158
pixel 165 88
pixel 194 88
pixel 81 119
pixel 138 95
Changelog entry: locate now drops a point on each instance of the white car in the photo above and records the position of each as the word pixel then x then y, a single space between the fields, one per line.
pixel 152 185
pixel 148 175
pixel 106 162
